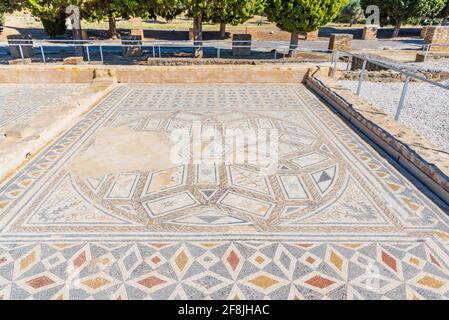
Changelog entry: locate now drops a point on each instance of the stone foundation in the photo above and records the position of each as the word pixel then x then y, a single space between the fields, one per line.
pixel 73 60
pixel 340 41
pixel 438 35
pixel 431 56
pixel 370 33
pixel 241 44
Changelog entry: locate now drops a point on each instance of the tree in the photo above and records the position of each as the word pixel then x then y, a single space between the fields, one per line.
pixel 297 16
pixel 444 14
pixel 233 12
pixel 98 10
pixel 52 14
pixel 351 13
pixel 397 12
pixel 9 6
pixel 196 9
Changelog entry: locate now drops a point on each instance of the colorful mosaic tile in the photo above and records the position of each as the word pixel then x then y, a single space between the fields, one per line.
pixel 334 221
pixel 22 102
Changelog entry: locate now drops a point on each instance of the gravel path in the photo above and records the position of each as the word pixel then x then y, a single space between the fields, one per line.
pixel 442 64
pixel 426 108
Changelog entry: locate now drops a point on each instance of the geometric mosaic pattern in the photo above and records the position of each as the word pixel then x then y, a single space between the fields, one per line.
pixel 222 270
pixel 19 102
pixel 334 221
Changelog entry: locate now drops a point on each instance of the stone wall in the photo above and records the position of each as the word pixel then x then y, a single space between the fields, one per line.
pixel 267 73
pixel 437 35
pixel 340 41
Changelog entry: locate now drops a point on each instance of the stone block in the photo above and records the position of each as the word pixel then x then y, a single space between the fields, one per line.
pixel 423 32
pixel 138 32
pixel 357 63
pixel 419 57
pixel 73 60
pixel 16 41
pixel 340 41
pixel 437 35
pixel 19 61
pixel 241 44
pixel 84 35
pixel 369 33
pixel 132 46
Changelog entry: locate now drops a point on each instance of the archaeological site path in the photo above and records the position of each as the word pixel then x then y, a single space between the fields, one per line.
pixel 101 213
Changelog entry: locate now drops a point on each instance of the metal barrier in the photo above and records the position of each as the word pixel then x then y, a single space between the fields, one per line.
pixel 426 48
pixel 408 75
pixel 155 45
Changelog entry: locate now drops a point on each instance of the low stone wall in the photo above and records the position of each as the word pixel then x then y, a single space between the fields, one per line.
pixel 390 76
pixel 266 73
pixel 437 35
pixel 426 162
pixel 340 41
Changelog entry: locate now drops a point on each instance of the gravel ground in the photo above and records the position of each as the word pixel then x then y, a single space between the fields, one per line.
pixel 426 108
pixel 442 64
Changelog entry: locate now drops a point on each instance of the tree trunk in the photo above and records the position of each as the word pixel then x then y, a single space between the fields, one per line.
pixel 396 29
pixel 293 43
pixel 222 30
pixel 112 27
pixel 445 20
pixel 198 36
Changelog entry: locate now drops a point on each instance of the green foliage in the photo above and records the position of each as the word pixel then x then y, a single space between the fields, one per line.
pixel 96 10
pixel 2 19
pixel 233 11
pixel 297 16
pixel 445 12
pixel 352 12
pixel 399 11
pixel 49 10
pixel 9 6
pixel 54 27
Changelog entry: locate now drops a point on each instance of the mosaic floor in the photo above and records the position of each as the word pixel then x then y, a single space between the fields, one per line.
pixel 23 101
pixel 97 216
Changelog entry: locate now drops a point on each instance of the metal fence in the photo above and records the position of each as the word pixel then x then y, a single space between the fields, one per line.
pixel 155 48
pixel 409 75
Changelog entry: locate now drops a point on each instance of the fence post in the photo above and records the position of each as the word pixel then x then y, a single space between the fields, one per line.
pixel 402 100
pixel 336 57
pixel 218 53
pixel 159 48
pixel 43 54
pixel 359 86
pixel 154 51
pixel 101 54
pixel 88 53
pixel 21 53
pixel 427 51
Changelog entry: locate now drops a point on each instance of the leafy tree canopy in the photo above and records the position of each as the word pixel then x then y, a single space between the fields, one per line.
pixel 297 16
pixel 234 12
